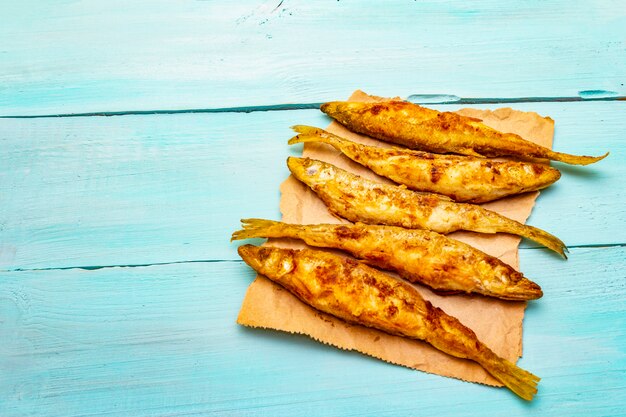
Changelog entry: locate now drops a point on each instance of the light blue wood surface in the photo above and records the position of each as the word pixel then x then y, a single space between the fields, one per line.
pixel 162 340
pixel 131 190
pixel 86 56
pixel 82 195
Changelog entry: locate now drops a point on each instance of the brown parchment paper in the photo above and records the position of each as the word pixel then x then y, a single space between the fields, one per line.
pixel 497 323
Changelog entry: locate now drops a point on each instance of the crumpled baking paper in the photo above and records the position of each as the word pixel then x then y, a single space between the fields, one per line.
pixel 497 323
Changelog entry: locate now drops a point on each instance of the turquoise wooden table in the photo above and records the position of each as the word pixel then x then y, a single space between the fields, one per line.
pixel 119 288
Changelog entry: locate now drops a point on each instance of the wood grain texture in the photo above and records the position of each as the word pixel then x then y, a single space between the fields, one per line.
pixel 162 340
pixel 85 56
pixel 151 189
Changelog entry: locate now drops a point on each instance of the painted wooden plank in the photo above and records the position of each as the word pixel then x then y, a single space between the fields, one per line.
pixel 147 189
pixel 162 340
pixel 84 56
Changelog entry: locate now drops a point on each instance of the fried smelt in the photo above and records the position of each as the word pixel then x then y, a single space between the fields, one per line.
pixel 363 295
pixel 429 130
pixel 360 200
pixel 422 256
pixel 463 178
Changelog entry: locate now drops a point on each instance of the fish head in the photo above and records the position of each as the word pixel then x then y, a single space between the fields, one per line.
pixel 541 174
pixel 337 109
pixel 522 289
pixel 310 171
pixel 269 261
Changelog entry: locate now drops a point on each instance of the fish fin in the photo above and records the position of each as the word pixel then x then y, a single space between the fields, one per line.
pixel 309 130
pixel 253 228
pixel 446 293
pixel 305 138
pixel 313 134
pixel 576 159
pixel 336 216
pixel 521 382
pixel 469 152
pixel 440 197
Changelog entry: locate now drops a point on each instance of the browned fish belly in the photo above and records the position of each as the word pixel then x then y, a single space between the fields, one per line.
pixel 417 255
pixel 360 200
pixel 359 294
pixel 441 132
pixel 462 178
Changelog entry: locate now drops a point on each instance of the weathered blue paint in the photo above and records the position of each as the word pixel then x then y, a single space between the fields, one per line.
pixel 164 188
pixel 166 191
pixel 81 56
pixel 162 340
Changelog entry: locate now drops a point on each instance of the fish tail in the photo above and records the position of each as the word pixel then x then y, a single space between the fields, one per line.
pixel 544 238
pixel 521 382
pixel 313 134
pixel 576 159
pixel 261 228
pixel 492 222
pixel 308 130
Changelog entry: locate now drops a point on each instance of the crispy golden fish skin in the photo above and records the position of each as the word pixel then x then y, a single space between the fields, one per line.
pixel 422 256
pixel 465 179
pixel 360 294
pixel 425 129
pixel 360 200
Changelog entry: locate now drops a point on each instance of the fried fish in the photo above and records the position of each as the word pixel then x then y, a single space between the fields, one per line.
pixel 422 256
pixel 463 178
pixel 360 200
pixel 362 295
pixel 429 130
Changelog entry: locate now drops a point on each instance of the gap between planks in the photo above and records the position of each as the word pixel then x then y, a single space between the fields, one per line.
pixel 145 265
pixel 447 99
